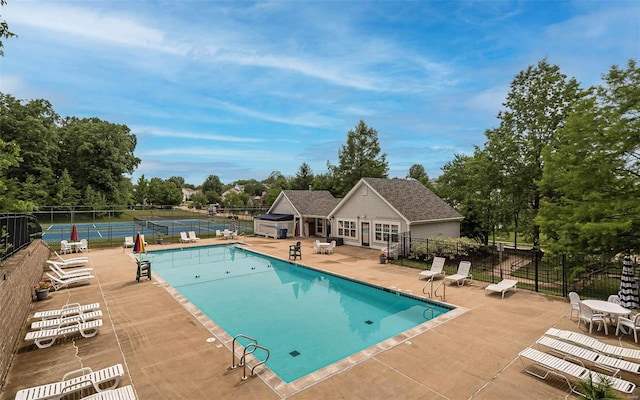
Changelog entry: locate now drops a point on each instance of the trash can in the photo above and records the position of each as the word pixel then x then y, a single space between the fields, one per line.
pixel 283 233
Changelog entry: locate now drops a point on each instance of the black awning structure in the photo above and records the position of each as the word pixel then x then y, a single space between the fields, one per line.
pixel 275 217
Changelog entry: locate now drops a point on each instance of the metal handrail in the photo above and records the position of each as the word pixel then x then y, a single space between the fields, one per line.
pixel 255 347
pixel 233 349
pixel 444 291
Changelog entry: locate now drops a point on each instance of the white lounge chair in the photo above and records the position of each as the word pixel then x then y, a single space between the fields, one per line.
pixel 79 260
pixel 121 393
pixel 574 299
pixel 47 337
pixel 62 274
pixel 59 322
pixel 611 364
pixel 128 242
pixel 461 275
pixel 502 287
pixel 632 324
pixel 59 283
pixel 66 310
pixel 593 343
pixel 184 238
pixel 588 316
pixel 437 269
pixel 568 371
pixel 193 237
pixel 75 381
pixel 69 263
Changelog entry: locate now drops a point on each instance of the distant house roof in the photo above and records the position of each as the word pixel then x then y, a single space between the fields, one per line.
pixel 312 202
pixel 412 200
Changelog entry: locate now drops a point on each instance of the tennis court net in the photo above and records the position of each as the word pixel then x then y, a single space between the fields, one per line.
pixel 151 225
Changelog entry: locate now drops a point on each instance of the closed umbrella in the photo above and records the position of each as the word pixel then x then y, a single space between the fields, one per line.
pixel 74 233
pixel 628 292
pixel 138 246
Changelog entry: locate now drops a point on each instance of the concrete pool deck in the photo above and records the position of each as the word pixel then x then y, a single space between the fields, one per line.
pixel 162 341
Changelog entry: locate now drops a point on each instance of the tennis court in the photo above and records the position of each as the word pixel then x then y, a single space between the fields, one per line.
pixel 117 231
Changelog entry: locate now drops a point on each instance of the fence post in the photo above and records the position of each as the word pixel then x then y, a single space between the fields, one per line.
pixel 565 284
pixel 535 255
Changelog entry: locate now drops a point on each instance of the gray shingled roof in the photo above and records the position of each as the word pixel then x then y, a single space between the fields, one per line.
pixel 412 199
pixel 312 202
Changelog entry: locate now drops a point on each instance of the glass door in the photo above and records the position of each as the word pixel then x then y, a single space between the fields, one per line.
pixel 364 229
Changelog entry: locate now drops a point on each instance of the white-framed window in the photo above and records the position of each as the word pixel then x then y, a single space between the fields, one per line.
pixel 346 228
pixel 383 230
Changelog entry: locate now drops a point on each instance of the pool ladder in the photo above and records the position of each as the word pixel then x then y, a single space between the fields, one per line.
pixel 435 292
pixel 248 349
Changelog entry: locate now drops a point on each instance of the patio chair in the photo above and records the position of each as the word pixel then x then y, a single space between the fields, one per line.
pixel 295 251
pixel 437 269
pixel 184 238
pixel 47 337
pixel 316 247
pixel 59 283
pixel 632 324
pixel 461 275
pixel 102 380
pixel 218 233
pixel 142 238
pixel 502 287
pixel 57 322
pixel 331 248
pixel 193 237
pixel 574 299
pixel 65 247
pixel 614 298
pixel 121 393
pixel 226 234
pixel 568 371
pixel 67 310
pixel 588 316
pixel 84 245
pixel 78 260
pixel 128 242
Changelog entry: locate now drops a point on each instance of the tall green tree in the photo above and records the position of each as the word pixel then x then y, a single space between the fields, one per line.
pixel 99 154
pixel 418 173
pixel 470 185
pixel 33 126
pixel 592 173
pixel 359 158
pixel 4 30
pixel 304 178
pixel 540 99
pixel 141 190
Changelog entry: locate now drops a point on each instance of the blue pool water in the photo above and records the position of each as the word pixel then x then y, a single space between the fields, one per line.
pixel 306 318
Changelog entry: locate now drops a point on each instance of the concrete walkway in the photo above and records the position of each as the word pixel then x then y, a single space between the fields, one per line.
pixel 166 348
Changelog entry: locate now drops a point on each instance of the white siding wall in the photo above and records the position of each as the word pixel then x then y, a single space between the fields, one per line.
pixel 366 206
pixel 436 230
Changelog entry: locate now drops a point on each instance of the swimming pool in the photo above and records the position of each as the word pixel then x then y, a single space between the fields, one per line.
pixel 308 319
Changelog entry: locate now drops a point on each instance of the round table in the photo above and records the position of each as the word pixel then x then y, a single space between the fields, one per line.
pixel 607 307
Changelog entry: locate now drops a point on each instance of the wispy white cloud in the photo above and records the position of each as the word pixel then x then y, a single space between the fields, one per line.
pixel 82 23
pixel 159 132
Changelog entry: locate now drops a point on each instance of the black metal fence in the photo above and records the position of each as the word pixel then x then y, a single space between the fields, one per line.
pixel 17 231
pixel 591 276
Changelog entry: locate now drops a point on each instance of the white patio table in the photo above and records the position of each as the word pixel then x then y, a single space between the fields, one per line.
pixel 608 308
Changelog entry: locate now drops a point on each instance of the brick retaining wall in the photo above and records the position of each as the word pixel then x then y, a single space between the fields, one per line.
pixel 18 275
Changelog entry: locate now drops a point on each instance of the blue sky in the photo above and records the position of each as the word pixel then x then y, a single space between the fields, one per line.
pixel 241 89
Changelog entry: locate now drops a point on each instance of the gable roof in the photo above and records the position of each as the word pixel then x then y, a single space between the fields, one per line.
pixel 310 202
pixel 412 199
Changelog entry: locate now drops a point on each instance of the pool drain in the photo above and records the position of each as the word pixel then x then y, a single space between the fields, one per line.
pixel 368 322
pixel 211 340
pixel 294 353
